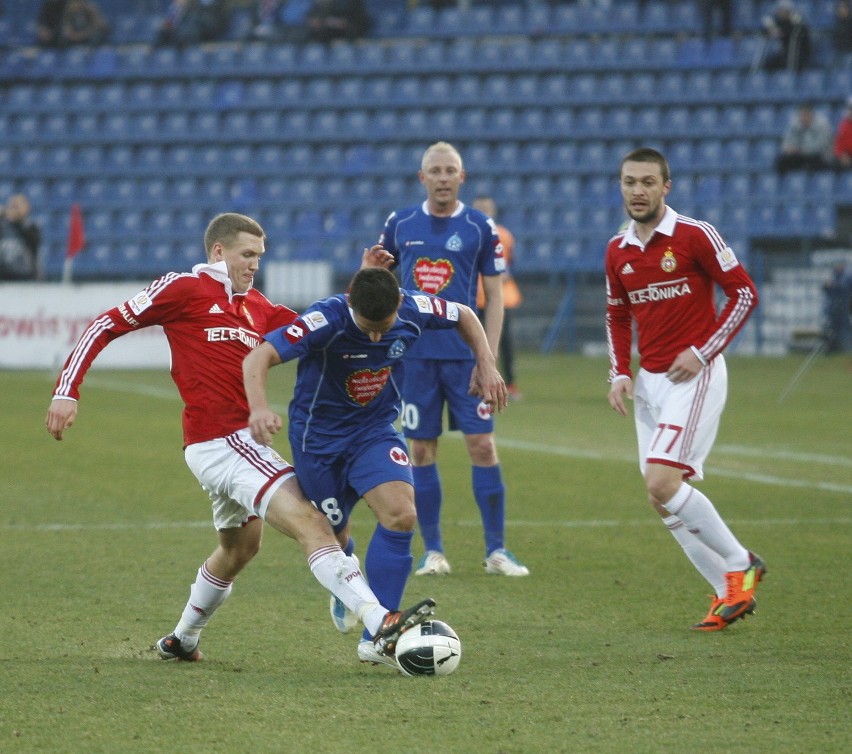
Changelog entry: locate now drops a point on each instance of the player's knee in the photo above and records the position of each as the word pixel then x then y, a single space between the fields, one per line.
pixel 482 449
pixel 401 518
pixel 661 487
pixel 423 453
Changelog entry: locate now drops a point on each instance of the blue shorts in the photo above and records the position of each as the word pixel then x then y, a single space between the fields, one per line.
pixel 335 482
pixel 431 383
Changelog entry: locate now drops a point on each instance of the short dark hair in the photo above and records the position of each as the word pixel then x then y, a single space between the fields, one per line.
pixel 647 154
pixel 374 293
pixel 225 227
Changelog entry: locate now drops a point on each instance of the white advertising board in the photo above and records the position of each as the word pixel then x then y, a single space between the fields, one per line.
pixel 41 322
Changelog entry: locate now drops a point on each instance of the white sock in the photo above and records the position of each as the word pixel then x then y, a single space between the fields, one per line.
pixel 703 520
pixel 341 575
pixel 205 595
pixel 706 562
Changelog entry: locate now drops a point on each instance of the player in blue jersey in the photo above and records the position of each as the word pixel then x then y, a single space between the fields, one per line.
pixel 441 247
pixel 346 399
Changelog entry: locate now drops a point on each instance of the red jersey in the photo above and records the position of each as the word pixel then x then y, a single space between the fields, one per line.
pixel 668 288
pixel 210 329
pixel 843 139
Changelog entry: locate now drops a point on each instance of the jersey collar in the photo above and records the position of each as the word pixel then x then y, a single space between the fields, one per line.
pixel 219 272
pixel 456 212
pixel 666 226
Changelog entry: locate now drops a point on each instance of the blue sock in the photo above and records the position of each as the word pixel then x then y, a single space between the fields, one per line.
pixel 490 494
pixel 387 565
pixel 427 498
pixel 350 546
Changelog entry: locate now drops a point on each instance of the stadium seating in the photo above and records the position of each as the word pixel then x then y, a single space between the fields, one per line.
pixel 542 98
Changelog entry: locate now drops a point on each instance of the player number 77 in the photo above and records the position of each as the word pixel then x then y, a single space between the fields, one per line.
pixel 661 428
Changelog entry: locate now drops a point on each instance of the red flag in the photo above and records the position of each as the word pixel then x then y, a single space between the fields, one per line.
pixel 76 235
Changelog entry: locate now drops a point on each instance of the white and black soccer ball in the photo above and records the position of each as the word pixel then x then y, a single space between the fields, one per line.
pixel 430 648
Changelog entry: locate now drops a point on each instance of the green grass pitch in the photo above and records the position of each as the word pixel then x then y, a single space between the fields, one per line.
pixel 101 535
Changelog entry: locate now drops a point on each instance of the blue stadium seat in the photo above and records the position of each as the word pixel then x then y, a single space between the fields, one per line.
pixel 88 158
pixel 154 191
pixel 118 159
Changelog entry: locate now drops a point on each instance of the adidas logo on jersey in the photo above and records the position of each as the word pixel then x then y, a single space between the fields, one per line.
pixel 215 309
pixel 627 269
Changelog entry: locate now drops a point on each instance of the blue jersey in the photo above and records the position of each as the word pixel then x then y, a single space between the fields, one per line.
pixel 346 385
pixel 443 256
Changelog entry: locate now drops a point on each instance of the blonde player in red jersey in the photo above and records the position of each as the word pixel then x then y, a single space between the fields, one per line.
pixel 212 318
pixel 660 272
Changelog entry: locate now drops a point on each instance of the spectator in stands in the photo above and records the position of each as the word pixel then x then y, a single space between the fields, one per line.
pixel 841 32
pixel 807 142
pixel 328 20
pixel 83 23
pixel 280 20
pixel 843 138
pixel 512 297
pixel 838 309
pixel 49 22
pixel 788 39
pixel 717 17
pixel 20 241
pixel 193 21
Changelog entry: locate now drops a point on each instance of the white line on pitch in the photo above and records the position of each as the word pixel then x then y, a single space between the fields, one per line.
pixel 168 393
pixel 590 524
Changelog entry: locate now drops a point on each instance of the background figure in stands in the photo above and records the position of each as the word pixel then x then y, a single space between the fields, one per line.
pixel 838 309
pixel 841 32
pixel 788 39
pixel 717 17
pixel 512 298
pixel 20 240
pixel 280 20
pixel 83 23
pixel 807 142
pixel 328 20
pixel 193 21
pixel 49 22
pixel 843 138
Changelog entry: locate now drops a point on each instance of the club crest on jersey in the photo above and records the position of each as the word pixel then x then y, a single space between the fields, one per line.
pixel 668 262
pixel 432 276
pixel 454 243
pixel 397 349
pixel 247 314
pixel 399 456
pixel 364 385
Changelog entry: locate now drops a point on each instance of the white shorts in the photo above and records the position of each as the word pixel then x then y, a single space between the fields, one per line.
pixel 676 424
pixel 240 476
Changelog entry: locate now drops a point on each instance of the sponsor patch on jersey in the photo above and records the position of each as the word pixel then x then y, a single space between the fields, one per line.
pixel 139 303
pixel 397 349
pixel 727 259
pixel 364 385
pixel 215 309
pixel 432 276
pixel 668 263
pixel 294 333
pixel 454 243
pixel 399 456
pixel 314 320
pixel 627 269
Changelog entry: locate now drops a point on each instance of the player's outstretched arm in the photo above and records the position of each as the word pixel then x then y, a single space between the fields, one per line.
pixel 263 421
pixel 486 380
pixel 60 416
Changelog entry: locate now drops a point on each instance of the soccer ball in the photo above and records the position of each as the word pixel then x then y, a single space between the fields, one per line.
pixel 430 648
